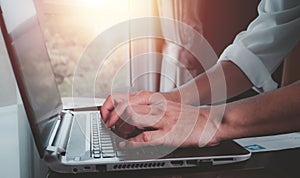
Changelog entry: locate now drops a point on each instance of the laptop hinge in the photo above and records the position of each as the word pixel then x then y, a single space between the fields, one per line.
pixel 59 140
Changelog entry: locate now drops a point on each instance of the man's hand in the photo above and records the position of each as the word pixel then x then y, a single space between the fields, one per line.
pixel 114 109
pixel 116 104
pixel 149 119
pixel 172 124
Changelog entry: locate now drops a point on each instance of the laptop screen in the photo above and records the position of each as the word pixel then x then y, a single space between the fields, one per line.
pixel 32 68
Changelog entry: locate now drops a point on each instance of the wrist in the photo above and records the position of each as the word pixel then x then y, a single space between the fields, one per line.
pixel 217 127
pixel 183 97
pixel 230 126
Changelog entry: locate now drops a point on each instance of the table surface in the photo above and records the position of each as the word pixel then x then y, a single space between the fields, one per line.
pixel 265 164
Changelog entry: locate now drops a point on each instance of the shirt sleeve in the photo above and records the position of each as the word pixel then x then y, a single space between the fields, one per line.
pixel 260 49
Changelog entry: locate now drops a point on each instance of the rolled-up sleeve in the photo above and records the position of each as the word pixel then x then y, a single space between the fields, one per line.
pixel 260 49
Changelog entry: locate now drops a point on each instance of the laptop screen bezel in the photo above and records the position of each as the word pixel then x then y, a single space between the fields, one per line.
pixel 40 141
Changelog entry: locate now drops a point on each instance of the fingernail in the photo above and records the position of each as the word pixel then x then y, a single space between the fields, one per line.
pixel 122 144
pixel 107 123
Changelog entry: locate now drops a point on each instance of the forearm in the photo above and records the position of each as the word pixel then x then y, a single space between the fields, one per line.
pixel 273 112
pixel 223 76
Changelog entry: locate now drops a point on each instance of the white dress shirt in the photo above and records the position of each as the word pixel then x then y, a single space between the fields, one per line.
pixel 260 49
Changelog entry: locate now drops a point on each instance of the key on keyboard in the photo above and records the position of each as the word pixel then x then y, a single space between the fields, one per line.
pixel 102 143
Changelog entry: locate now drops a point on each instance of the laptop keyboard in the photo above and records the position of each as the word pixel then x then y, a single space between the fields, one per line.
pixel 102 144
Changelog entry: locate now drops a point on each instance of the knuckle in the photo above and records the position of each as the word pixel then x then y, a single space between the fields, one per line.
pixel 134 121
pixel 109 97
pixel 127 110
pixel 143 92
pixel 145 137
pixel 118 111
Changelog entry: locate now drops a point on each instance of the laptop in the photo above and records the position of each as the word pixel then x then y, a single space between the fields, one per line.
pixel 72 141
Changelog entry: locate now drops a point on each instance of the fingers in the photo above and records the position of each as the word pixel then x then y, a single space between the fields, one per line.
pixel 144 116
pixel 125 130
pixel 111 103
pixel 122 111
pixel 147 138
pixel 156 98
pixel 172 127
pixel 135 113
pixel 140 116
pixel 141 98
pixel 116 114
pixel 106 108
pixel 119 102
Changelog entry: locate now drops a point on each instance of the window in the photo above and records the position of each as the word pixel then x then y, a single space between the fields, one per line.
pixel 69 27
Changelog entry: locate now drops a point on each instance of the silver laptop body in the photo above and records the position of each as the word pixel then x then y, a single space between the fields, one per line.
pixel 76 141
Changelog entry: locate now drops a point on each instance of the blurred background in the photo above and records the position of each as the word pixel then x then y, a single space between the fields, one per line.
pixel 69 26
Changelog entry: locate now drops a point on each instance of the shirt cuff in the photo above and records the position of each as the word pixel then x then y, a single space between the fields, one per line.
pixel 251 65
